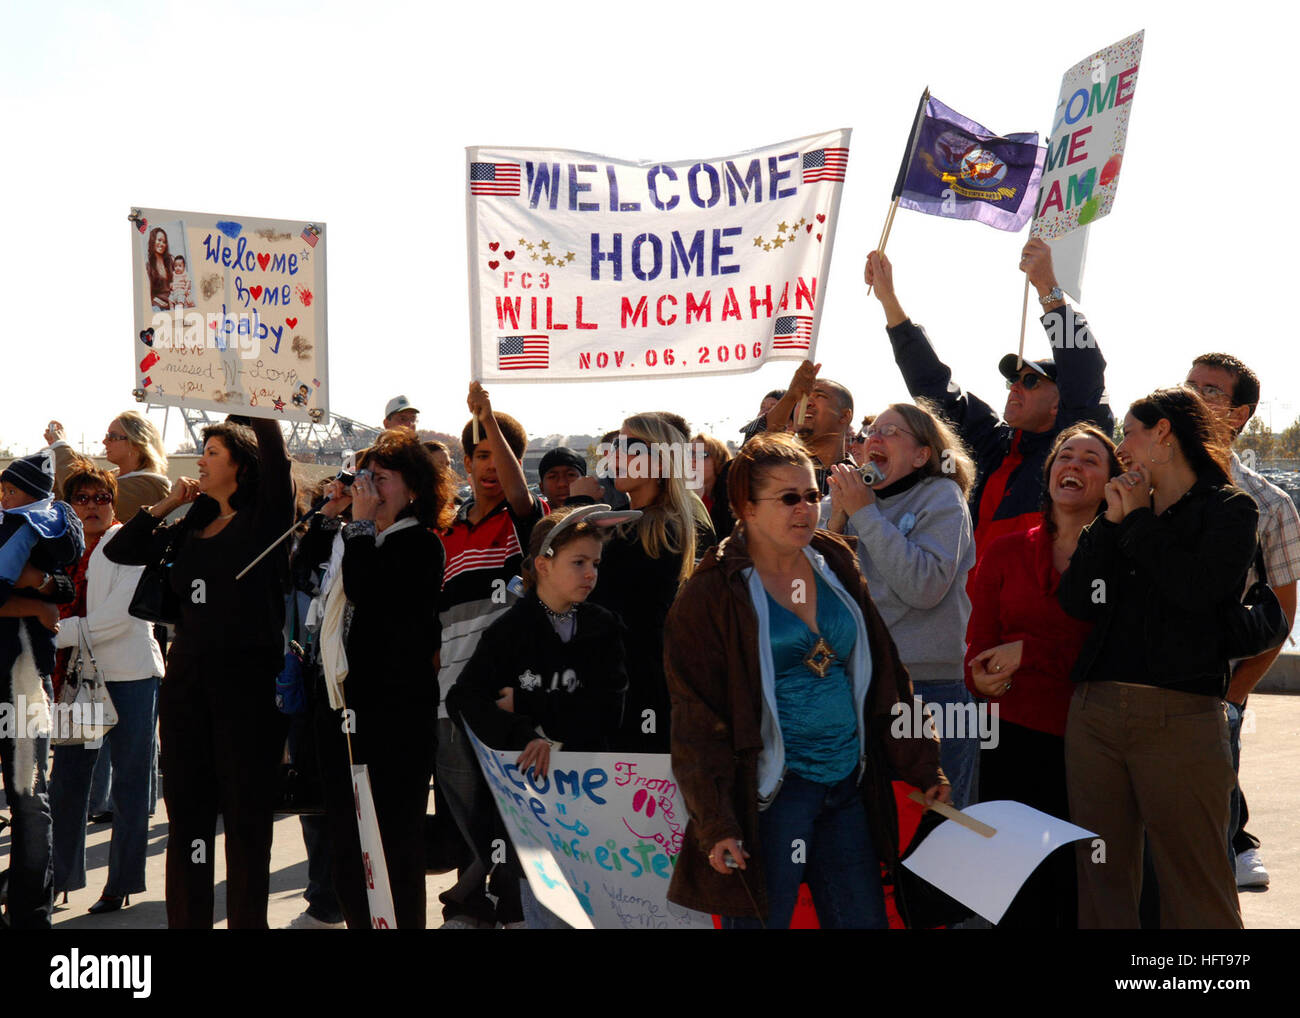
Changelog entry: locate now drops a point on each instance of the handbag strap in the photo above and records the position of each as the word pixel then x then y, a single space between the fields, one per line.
pixel 83 641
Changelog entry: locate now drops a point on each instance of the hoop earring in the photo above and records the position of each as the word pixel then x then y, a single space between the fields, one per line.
pixel 1164 463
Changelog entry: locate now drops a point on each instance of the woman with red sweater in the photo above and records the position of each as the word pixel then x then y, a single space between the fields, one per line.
pixel 1021 646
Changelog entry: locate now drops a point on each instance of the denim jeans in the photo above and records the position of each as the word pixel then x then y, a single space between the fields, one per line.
pixel 129 745
pixel 31 866
pixel 101 785
pixel 818 833
pixel 958 756
pixel 536 915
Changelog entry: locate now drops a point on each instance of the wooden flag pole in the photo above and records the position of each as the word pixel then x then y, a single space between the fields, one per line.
pixel 884 233
pixel 956 816
pixel 1024 317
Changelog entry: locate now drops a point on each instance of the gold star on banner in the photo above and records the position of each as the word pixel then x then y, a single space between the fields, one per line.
pixel 570 256
pixel 781 228
pixel 549 259
pixel 802 220
pixel 524 241
pixel 758 241
pixel 767 247
pixel 545 245
pixel 533 256
pixel 779 242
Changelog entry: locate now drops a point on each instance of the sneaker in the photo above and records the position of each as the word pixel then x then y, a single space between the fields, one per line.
pixel 307 921
pixel 464 922
pixel 1250 869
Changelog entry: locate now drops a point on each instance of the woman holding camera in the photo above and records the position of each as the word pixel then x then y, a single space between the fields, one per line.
pixel 915 547
pixel 1146 742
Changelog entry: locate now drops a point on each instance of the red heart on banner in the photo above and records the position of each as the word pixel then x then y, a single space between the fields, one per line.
pixel 508 254
pixel 264 260
pixel 493 264
pixel 810 227
pixel 256 291
pixel 819 236
pixel 291 322
pixel 212 325
pixel 150 359
pixel 494 245
pixel 821 218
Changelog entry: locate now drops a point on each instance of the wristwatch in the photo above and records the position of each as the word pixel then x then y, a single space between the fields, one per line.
pixel 1053 295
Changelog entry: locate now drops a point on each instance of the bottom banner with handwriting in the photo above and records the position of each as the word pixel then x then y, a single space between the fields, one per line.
pixel 598 836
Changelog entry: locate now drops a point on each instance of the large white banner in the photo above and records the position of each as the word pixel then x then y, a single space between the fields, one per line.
pixel 229 314
pixel 1086 148
pixel 587 268
pixel 598 837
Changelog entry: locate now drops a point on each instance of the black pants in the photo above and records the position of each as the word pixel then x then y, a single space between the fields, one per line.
pixel 397 746
pixel 1029 766
pixel 222 740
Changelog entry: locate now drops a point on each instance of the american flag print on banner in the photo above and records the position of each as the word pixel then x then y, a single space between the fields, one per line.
pixel 793 332
pixel 516 353
pixel 309 236
pixel 494 178
pixel 825 164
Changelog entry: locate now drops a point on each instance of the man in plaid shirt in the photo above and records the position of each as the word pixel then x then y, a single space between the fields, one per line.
pixel 1233 390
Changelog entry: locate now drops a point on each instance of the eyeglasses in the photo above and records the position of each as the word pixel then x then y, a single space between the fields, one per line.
pixel 884 431
pixel 113 436
pixel 791 499
pixel 99 498
pixel 1209 392
pixel 1029 380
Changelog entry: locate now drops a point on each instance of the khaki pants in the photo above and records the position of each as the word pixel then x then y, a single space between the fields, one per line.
pixel 1141 759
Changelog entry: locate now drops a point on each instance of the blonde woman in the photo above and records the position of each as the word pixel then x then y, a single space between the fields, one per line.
pixel 645 563
pixel 916 547
pixel 134 446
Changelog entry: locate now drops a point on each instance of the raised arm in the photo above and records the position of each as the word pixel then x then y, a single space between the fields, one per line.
pixel 1081 369
pixel 510 471
pixel 927 377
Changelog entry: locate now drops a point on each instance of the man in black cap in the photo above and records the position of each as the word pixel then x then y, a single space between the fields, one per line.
pixel 1045 397
pixel 559 468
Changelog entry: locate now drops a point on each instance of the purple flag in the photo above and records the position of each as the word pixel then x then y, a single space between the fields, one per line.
pixel 961 170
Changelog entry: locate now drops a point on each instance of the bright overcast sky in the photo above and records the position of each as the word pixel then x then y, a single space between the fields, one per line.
pixel 357 115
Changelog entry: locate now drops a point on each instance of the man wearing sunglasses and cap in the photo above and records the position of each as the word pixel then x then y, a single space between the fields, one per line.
pixel 1045 397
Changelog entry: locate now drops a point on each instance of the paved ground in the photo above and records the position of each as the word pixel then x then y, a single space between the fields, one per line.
pixel 1270 760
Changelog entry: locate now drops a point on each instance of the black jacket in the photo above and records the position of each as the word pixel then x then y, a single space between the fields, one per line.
pixel 1157 587
pixel 573 690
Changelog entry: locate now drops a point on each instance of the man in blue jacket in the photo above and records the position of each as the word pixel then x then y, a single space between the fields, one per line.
pixel 1045 397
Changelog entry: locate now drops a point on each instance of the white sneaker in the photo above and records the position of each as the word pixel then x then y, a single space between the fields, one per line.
pixel 307 921
pixel 1250 869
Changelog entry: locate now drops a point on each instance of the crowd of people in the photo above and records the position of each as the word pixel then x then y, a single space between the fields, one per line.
pixel 762 617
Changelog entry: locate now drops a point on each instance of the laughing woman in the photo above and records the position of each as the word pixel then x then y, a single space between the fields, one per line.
pixel 1022 647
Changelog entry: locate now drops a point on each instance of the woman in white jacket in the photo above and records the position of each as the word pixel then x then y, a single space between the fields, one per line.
pixel 130 662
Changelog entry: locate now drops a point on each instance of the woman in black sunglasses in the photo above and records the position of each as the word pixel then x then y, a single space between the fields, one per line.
pixel 784 682
pixel 129 660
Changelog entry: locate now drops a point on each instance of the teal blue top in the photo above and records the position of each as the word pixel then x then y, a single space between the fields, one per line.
pixel 819 725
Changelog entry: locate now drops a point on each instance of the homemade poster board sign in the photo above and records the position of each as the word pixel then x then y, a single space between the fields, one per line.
pixel 229 314
pixel 589 268
pixel 1086 147
pixel 598 836
pixel 984 874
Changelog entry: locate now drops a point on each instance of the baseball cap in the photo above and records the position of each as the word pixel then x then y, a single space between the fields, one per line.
pixel 1011 367
pixel 396 404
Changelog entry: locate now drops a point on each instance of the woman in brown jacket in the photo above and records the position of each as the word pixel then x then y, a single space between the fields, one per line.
pixel 783 682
